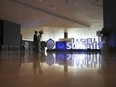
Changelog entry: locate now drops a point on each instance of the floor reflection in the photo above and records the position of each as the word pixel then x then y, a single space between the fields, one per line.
pixel 57 69
pixel 79 60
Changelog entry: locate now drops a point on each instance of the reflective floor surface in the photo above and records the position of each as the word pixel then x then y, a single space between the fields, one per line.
pixel 57 69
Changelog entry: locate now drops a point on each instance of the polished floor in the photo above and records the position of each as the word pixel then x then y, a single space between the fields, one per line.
pixel 57 69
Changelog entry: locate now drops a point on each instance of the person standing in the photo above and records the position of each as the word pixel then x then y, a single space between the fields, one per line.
pixel 39 43
pixel 35 41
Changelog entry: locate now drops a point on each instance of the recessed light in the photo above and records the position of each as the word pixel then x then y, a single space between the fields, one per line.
pixel 54 8
pixel 20 10
pixel 76 4
pixel 2 16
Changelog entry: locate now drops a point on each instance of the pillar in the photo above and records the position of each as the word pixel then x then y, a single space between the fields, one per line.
pixel 109 13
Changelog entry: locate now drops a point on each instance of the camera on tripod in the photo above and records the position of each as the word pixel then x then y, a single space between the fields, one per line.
pixel 41 32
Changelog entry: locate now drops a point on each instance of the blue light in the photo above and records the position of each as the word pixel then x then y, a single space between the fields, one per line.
pixel 50 44
pixel 61 45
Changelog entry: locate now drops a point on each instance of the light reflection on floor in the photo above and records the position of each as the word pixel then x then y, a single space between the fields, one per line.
pixel 57 69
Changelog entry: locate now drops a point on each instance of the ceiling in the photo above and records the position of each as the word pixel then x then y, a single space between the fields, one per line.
pixel 53 13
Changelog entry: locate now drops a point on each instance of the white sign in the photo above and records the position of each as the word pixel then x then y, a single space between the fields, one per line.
pixel 83 43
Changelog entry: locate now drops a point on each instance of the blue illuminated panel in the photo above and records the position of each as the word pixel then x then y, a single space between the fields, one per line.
pixel 61 45
pixel 50 44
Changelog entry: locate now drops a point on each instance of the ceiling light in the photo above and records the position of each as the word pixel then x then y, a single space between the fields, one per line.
pixel 20 10
pixel 54 8
pixel 75 3
pixel 51 6
pixel 40 0
pixel 2 16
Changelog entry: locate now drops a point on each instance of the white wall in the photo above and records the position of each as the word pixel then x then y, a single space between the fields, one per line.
pixel 55 33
